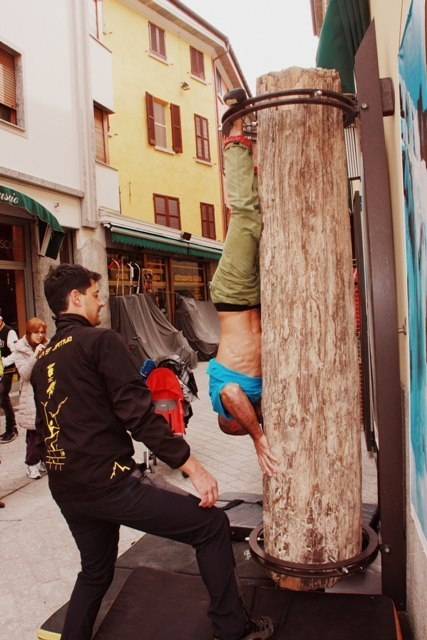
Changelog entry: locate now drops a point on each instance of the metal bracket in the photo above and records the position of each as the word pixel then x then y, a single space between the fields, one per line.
pixel 346 102
pixel 321 570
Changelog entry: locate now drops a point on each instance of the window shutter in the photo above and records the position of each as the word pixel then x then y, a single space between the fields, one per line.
pixel 157 40
pixel 197 63
pixel 174 213
pixel 202 138
pixel 7 80
pixel 152 37
pixel 151 129
pixel 176 128
pixel 100 146
pixel 206 149
pixel 160 211
pixel 208 220
pixel 199 143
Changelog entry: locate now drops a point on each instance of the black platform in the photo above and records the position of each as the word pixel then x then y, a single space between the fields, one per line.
pixel 157 594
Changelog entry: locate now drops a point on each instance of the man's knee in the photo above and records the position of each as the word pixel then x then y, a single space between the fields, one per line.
pixel 231 392
pixel 231 427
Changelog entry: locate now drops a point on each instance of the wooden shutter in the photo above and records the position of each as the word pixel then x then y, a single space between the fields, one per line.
pixel 197 63
pixel 157 40
pixel 7 80
pixel 202 138
pixel 208 220
pixel 176 128
pixel 151 129
pixel 160 209
pixel 174 213
pixel 100 135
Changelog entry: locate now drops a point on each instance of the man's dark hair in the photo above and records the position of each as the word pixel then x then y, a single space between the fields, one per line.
pixel 61 280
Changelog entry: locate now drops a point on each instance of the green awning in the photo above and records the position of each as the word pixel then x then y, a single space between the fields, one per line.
pixel 169 246
pixel 343 28
pixel 51 234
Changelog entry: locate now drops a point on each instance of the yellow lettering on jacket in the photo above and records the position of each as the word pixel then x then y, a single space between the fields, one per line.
pixel 61 343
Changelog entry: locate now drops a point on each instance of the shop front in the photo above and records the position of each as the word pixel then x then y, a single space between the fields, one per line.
pixel 165 267
pixel 27 230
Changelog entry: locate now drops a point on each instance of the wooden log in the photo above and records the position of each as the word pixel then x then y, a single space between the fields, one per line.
pixel 313 506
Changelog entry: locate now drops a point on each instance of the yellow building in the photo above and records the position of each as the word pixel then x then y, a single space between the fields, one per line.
pixel 170 71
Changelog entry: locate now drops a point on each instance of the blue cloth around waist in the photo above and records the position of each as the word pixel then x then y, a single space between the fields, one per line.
pixel 219 376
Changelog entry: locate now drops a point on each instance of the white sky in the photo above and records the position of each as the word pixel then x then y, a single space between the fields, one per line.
pixel 270 35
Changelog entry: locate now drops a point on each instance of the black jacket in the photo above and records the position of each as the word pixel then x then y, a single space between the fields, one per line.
pixel 89 395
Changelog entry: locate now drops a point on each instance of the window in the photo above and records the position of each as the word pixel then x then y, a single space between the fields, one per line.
pixel 95 18
pixel 157 40
pixel 160 124
pixel 101 134
pixel 202 138
pixel 8 86
pixel 166 211
pixel 197 63
pixel 189 278
pixel 157 124
pixel 218 82
pixel 207 212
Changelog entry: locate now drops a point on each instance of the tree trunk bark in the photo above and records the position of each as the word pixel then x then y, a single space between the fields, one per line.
pixel 313 506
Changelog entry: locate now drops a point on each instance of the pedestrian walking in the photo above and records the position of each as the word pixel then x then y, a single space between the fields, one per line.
pixel 27 350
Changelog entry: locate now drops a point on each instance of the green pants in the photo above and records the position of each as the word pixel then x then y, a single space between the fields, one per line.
pixel 236 280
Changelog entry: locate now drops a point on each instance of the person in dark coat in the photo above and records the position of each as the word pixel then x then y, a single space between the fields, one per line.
pixel 90 403
pixel 8 339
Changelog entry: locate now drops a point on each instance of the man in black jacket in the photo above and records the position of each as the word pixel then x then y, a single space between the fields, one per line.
pixel 91 402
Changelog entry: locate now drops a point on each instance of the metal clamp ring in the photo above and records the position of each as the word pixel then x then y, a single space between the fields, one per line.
pixel 319 570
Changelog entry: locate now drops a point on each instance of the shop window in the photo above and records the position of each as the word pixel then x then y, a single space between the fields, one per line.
pixel 197 63
pixel 156 281
pixel 157 40
pixel 202 138
pixel 101 134
pixel 10 86
pixel 166 211
pixel 207 214
pixel 12 243
pixel 189 279
pixel 66 250
pixel 13 274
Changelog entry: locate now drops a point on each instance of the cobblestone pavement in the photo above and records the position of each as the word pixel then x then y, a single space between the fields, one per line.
pixel 38 558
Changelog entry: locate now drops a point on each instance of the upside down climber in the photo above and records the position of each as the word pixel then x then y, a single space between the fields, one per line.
pixel 235 382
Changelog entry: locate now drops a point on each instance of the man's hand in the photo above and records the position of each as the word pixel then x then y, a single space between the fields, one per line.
pixel 249 416
pixel 203 482
pixel 266 460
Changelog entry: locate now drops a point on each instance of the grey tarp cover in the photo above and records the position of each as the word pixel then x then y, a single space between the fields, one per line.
pixel 198 321
pixel 147 331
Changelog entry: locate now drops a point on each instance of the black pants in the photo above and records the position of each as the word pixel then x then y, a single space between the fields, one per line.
pixel 34 450
pixel 139 504
pixel 5 403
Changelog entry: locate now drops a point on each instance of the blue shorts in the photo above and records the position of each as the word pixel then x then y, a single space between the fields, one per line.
pixel 219 376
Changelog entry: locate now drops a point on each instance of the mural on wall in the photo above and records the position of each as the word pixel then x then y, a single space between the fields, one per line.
pixel 413 88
